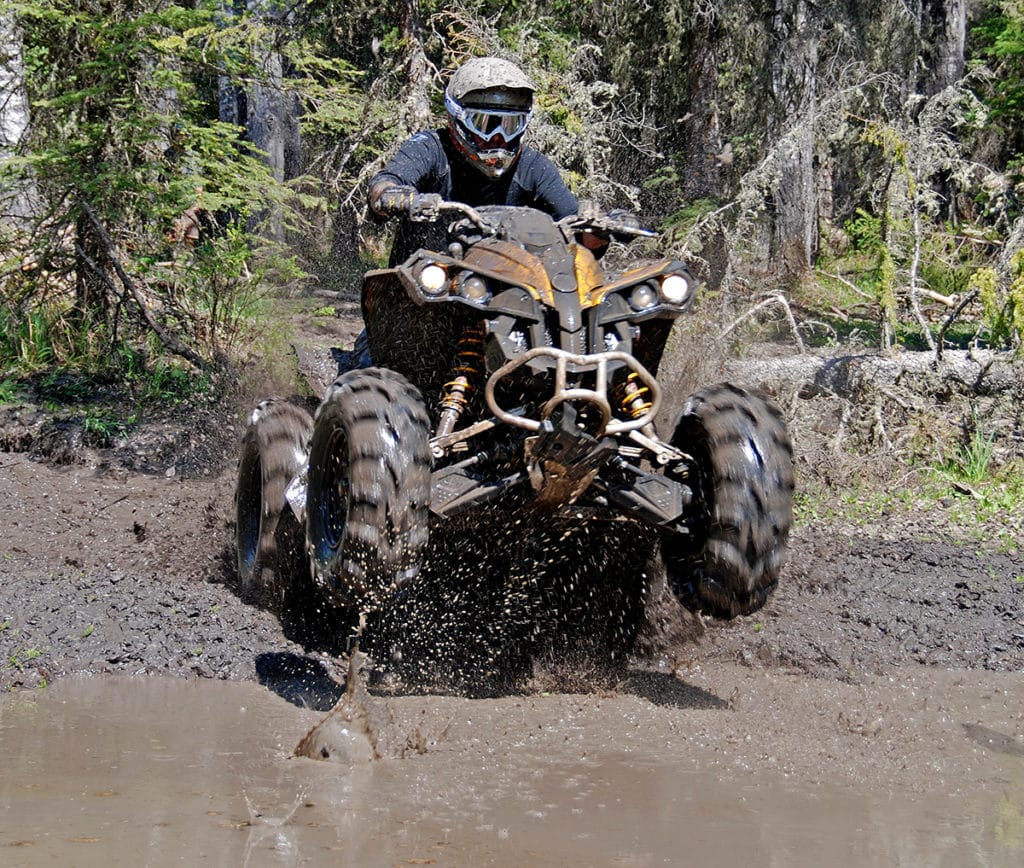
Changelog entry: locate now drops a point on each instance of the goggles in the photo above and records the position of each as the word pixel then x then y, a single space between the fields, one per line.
pixel 486 124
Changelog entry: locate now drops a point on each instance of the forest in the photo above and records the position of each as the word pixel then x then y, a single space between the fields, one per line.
pixel 168 167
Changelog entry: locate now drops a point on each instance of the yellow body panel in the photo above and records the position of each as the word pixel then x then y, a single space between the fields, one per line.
pixel 589 277
pixel 519 266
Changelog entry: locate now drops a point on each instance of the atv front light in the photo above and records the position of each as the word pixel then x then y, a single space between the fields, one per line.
pixel 675 289
pixel 643 296
pixel 433 279
pixel 474 288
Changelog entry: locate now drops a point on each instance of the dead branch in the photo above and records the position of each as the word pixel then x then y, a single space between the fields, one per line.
pixel 879 427
pixel 170 340
pixel 915 292
pixel 775 298
pixel 947 300
pixel 849 284
pixel 959 309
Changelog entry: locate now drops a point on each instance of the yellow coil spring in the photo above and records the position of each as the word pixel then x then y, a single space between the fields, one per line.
pixel 632 397
pixel 467 369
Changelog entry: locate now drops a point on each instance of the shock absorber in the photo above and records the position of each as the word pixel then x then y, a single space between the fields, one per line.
pixel 634 396
pixel 467 371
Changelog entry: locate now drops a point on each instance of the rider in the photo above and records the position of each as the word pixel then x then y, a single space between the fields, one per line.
pixel 479 158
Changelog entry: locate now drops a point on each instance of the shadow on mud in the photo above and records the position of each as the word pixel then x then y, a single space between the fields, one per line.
pixel 533 605
pixel 302 681
pixel 669 692
pixel 306 682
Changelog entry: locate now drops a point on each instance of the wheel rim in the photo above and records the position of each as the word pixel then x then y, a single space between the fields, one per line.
pixel 332 506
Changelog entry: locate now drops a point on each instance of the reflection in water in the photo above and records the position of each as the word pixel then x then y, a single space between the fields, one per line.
pixel 155 772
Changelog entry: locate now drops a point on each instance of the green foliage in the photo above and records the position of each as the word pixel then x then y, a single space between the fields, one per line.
pixel 886 287
pixel 1000 43
pixel 1002 301
pixel 865 231
pixel 971 461
pixel 103 428
pixel 10 391
pixel 124 139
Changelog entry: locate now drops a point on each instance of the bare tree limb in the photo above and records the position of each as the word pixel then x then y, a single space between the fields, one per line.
pixel 959 309
pixel 915 264
pixel 776 298
pixel 849 284
pixel 170 340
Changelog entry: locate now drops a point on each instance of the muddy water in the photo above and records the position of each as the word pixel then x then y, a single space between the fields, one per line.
pixel 167 772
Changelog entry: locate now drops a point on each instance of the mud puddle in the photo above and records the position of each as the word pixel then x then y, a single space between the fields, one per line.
pixel 732 767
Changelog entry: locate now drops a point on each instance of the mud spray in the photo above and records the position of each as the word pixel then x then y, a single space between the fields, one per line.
pixel 534 604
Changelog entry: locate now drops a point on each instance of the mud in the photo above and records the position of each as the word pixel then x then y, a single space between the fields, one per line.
pixel 712 768
pixel 872 713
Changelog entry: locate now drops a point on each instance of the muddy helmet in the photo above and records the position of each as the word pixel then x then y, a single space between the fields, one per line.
pixel 489 103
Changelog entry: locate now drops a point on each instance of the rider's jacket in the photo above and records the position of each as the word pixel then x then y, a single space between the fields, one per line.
pixel 429 162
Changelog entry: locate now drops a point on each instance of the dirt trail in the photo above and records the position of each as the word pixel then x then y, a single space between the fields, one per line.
pixel 889 658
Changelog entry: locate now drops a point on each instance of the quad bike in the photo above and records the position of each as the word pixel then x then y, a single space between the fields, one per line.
pixel 509 372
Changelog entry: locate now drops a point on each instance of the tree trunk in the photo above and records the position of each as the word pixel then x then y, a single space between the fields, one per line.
pixel 943 43
pixel 266 120
pixel 18 198
pixel 417 111
pixel 268 111
pixel 93 296
pixel 702 139
pixel 794 63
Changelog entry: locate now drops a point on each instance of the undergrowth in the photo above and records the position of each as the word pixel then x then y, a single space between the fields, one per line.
pixel 966 491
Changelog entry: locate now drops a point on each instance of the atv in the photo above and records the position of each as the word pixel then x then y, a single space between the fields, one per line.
pixel 510 374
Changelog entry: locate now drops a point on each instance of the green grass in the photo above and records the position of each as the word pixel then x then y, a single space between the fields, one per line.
pixel 19 658
pixel 971 462
pixel 102 428
pixel 11 391
pixel 985 502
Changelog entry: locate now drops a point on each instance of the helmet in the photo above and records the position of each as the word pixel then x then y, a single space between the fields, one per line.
pixel 489 103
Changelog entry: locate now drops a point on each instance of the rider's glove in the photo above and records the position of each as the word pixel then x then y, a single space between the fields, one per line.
pixel 626 219
pixel 395 201
pixel 404 201
pixel 589 211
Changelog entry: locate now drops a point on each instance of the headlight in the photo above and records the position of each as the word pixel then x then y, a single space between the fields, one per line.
pixel 675 289
pixel 433 279
pixel 474 288
pixel 643 296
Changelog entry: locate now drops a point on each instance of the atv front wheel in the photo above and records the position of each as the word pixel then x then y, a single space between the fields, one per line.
pixel 742 480
pixel 268 538
pixel 369 486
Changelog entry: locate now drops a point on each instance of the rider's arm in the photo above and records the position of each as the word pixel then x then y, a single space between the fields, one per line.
pixel 543 180
pixel 413 169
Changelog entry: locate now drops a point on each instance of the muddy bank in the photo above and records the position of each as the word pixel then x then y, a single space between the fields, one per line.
pixel 132 573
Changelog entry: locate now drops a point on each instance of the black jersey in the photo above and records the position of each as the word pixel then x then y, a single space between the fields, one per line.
pixel 429 162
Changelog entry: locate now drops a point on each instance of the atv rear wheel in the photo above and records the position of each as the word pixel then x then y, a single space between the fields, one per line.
pixel 369 486
pixel 742 479
pixel 268 538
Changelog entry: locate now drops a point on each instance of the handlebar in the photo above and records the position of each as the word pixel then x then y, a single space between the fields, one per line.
pixel 430 207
